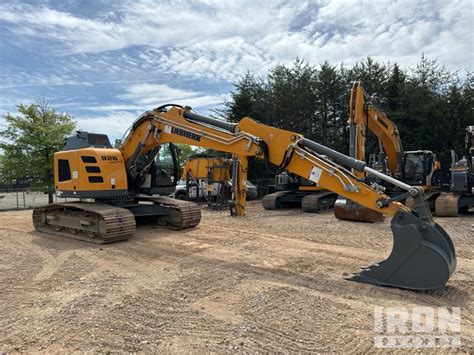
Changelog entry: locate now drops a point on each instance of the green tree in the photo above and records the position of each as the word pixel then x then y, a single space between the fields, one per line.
pixel 248 99
pixel 331 98
pixel 185 151
pixel 30 140
pixel 373 75
pixel 430 105
pixel 291 96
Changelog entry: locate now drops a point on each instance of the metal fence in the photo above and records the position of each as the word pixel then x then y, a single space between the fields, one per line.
pixel 25 198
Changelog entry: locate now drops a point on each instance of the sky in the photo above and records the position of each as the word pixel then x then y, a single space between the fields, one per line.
pixel 107 61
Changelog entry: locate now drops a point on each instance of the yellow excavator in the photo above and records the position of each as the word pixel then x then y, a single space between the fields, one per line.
pixel 212 168
pixel 206 178
pixel 111 182
pixel 415 168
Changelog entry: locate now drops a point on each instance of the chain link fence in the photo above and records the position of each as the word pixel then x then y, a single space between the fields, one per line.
pixel 28 198
pixel 25 198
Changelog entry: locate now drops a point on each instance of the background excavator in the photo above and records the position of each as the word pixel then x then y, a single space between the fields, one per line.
pixel 423 255
pixel 415 168
pixel 209 179
pixel 459 196
pixel 293 191
pixel 206 178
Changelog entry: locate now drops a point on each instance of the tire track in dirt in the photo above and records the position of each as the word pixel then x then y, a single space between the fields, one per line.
pixel 51 264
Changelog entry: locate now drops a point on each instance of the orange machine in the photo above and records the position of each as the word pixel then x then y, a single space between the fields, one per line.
pixel 218 168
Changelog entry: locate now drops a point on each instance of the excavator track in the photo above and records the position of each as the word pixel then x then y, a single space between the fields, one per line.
pixel 272 201
pixel 92 222
pixel 182 214
pixel 318 202
pixel 447 205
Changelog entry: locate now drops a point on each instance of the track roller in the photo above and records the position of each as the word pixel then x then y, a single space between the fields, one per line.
pixel 92 222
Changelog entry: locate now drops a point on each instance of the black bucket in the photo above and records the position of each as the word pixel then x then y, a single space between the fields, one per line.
pixel 422 258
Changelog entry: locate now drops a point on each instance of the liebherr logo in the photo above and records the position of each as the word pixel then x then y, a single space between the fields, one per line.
pixel 187 134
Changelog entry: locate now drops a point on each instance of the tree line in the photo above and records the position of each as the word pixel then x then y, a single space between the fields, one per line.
pixel 430 105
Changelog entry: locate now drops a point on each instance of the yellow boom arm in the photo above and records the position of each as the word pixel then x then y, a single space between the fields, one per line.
pixel 363 115
pixel 249 138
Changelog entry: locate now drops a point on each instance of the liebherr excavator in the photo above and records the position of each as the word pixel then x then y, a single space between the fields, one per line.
pixel 423 255
pixel 412 167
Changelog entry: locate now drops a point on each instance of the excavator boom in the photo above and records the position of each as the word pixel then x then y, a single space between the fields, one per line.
pixel 365 114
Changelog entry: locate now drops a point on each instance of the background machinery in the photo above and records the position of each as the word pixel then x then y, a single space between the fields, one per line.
pixel 209 179
pixel 415 168
pixel 206 179
pixel 422 257
pixel 292 191
pixel 460 196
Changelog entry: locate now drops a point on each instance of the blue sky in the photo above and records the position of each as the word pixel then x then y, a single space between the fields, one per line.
pixel 105 62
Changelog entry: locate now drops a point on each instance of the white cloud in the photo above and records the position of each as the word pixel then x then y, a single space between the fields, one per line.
pixel 157 94
pixel 221 40
pixel 114 123
pixel 134 55
pixel 114 119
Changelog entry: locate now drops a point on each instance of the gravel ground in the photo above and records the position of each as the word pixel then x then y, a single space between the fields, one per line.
pixel 271 281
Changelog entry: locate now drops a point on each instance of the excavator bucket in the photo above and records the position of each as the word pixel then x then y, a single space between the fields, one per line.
pixel 352 211
pixel 422 258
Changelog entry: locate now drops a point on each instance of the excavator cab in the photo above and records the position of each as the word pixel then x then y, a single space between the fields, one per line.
pixel 161 175
pixel 418 167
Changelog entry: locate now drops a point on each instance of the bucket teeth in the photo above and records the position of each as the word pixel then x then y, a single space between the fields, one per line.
pixel 422 258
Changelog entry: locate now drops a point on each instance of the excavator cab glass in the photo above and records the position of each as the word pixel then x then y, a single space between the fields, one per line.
pixel 417 167
pixel 167 165
pixel 160 168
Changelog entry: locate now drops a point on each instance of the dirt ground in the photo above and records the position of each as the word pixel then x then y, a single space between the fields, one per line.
pixel 271 281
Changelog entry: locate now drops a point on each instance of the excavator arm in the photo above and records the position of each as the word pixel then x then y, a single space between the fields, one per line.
pixel 285 149
pixel 364 114
pixel 423 255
